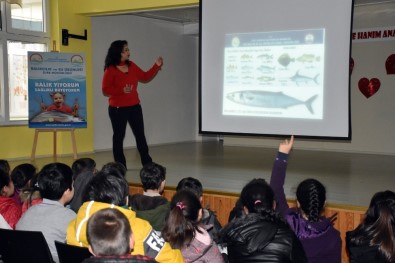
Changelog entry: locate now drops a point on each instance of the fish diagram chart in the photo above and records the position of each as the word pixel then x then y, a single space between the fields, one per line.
pixel 274 80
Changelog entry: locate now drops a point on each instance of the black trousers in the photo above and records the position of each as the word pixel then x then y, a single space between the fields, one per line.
pixel 133 115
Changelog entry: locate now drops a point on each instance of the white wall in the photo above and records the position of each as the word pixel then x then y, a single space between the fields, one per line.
pixel 169 101
pixel 373 119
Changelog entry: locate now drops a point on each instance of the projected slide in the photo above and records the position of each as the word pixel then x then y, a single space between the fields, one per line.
pixel 274 74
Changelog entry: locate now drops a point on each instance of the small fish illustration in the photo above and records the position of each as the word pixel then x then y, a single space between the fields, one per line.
pixel 308 58
pixel 265 78
pixel 285 59
pixel 265 56
pixel 297 78
pixel 266 69
pixel 268 99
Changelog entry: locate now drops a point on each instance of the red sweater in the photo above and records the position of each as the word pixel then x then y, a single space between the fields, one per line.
pixel 10 210
pixel 115 80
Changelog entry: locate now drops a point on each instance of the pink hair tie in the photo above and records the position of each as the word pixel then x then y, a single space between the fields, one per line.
pixel 257 202
pixel 180 205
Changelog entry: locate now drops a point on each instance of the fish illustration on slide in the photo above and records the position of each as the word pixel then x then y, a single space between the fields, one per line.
pixel 266 69
pixel 297 78
pixel 268 99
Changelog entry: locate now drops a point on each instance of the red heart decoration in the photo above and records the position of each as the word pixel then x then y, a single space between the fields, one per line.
pixel 390 64
pixel 369 87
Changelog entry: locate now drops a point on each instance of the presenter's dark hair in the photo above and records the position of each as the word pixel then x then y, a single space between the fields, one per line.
pixel 113 56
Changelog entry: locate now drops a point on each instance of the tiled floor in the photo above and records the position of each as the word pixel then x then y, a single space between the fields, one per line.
pixel 349 178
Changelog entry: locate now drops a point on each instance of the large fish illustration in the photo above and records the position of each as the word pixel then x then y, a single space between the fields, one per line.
pixel 268 99
pixel 55 116
pixel 297 78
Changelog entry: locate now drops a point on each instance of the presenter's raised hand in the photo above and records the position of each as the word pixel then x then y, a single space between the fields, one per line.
pixel 159 61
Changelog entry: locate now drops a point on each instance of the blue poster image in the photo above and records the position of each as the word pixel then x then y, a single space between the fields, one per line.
pixel 57 90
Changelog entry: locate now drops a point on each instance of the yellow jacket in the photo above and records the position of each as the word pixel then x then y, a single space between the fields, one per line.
pixel 147 241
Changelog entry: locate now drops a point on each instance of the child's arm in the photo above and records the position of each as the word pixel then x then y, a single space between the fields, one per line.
pixel 278 174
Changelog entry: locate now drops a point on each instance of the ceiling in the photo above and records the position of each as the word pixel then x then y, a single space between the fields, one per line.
pixel 191 15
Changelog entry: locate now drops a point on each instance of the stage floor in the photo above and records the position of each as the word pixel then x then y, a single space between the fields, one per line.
pixel 350 178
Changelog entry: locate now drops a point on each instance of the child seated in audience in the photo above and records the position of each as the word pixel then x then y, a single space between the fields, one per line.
pixel 5 166
pixel 21 176
pixel 374 239
pixel 83 170
pixel 9 209
pixel 114 167
pixel 110 238
pixel 321 241
pixel 260 234
pixel 209 219
pixel 151 205
pixel 30 195
pixel 51 217
pixel 109 189
pixel 184 231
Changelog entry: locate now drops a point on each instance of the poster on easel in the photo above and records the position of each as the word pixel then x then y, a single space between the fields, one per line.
pixel 57 90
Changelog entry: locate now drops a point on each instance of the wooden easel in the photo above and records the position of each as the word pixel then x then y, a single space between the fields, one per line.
pixel 54 141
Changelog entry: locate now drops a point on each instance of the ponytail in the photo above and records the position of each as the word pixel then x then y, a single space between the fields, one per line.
pixel 311 195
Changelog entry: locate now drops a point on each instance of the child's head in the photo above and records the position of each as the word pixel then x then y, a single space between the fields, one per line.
pixel 191 184
pixel 109 233
pixel 183 219
pixel 114 167
pixel 83 165
pixel 382 206
pixel 22 174
pixel 153 177
pixel 55 181
pixel 257 196
pixel 58 98
pixel 311 197
pixel 6 184
pixel 5 166
pixel 107 187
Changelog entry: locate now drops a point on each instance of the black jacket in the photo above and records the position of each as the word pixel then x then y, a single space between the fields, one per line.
pixel 363 252
pixel 254 239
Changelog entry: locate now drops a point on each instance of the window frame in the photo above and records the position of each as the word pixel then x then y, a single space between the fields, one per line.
pixel 22 36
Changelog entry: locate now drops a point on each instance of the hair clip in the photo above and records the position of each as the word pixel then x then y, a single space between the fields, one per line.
pixel 36 185
pixel 180 205
pixel 257 202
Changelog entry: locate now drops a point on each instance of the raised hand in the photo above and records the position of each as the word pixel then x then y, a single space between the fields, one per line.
pixel 159 61
pixel 286 145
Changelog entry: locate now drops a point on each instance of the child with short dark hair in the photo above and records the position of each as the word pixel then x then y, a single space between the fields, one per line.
pixel 51 217
pixel 110 238
pixel 83 170
pixel 184 231
pixel 21 176
pixel 151 205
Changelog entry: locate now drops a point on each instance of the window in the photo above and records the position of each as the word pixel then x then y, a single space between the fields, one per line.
pixel 26 30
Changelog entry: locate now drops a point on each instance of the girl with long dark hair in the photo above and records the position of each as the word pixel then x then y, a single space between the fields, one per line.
pixel 184 231
pixel 320 240
pixel 374 239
